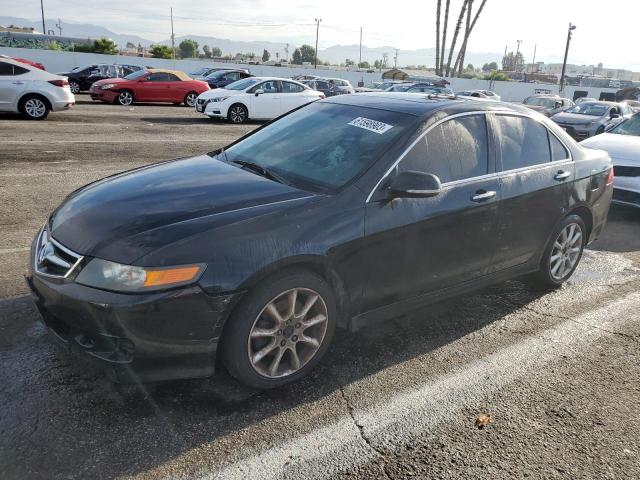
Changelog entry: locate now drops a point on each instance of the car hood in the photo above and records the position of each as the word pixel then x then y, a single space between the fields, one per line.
pixel 220 92
pixel 126 216
pixel 619 147
pixel 110 80
pixel 538 108
pixel 574 118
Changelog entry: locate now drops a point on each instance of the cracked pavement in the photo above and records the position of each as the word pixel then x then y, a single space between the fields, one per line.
pixel 557 371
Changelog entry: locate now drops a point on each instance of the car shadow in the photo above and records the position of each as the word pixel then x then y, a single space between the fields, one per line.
pixel 195 120
pixel 68 412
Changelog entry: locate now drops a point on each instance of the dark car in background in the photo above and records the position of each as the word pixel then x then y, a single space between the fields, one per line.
pixel 81 78
pixel 202 73
pixel 322 85
pixel 222 78
pixel 547 104
pixel 592 118
pixel 344 212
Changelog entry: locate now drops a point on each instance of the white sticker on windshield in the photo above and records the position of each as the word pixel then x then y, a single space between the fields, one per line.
pixel 371 125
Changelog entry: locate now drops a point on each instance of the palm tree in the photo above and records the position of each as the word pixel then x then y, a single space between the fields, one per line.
pixel 455 36
pixel 438 37
pixel 444 38
pixel 463 50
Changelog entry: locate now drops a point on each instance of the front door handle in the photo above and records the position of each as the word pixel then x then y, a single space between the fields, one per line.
pixel 483 195
pixel 561 175
pixel 18 83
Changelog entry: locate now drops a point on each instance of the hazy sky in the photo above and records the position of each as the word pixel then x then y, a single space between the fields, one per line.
pixel 407 24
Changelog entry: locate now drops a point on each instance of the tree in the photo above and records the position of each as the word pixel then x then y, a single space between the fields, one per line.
pixel 349 63
pixel 487 67
pixel 438 37
pixel 497 76
pixel 467 33
pixel 307 53
pixel 463 9
pixel 364 65
pixel 207 51
pixel 161 51
pixel 188 48
pixel 105 46
pixel 377 64
pixel 470 68
pixel 512 62
pixel 216 52
pixel 296 59
pixel 130 45
pixel 265 55
pixel 444 36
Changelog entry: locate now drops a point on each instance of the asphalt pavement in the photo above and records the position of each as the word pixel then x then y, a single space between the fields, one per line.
pixel 555 374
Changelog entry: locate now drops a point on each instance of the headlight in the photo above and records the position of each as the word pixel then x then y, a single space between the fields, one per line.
pixel 107 86
pixel 218 99
pixel 128 278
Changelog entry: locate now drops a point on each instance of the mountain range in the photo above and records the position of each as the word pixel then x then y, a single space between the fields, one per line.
pixel 335 54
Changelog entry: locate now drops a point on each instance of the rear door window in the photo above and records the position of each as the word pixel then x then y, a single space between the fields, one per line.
pixel 523 142
pixel 454 150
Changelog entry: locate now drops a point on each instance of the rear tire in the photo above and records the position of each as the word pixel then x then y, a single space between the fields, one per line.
pixel 238 113
pixel 34 107
pixel 190 99
pixel 562 253
pixel 75 87
pixel 125 98
pixel 280 330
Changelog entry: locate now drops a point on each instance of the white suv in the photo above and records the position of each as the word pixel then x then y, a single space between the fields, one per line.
pixel 32 92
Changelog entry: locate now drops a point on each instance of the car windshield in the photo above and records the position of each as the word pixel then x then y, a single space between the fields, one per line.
pixel 79 69
pixel 217 73
pixel 242 84
pixel 323 145
pixel 541 101
pixel 591 109
pixel 135 75
pixel 630 126
pixel 200 71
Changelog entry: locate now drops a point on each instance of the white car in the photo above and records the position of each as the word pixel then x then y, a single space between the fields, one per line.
pixel 479 94
pixel 622 143
pixel 32 92
pixel 258 98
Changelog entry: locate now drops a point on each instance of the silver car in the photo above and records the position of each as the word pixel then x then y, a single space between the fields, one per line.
pixel 592 118
pixel 548 105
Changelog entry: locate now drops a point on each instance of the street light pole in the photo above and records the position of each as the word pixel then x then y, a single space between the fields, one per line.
pixel 566 54
pixel 315 60
pixel 515 60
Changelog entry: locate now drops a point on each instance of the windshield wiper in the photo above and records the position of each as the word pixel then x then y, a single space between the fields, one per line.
pixel 260 170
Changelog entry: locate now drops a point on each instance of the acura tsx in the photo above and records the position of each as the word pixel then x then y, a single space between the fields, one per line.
pixel 344 212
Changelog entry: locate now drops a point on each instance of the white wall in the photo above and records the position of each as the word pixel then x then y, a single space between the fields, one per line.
pixel 63 61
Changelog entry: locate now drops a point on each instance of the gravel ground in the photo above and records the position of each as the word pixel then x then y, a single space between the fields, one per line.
pixel 557 372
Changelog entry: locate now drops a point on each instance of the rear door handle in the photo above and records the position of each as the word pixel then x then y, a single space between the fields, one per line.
pixel 562 175
pixel 482 195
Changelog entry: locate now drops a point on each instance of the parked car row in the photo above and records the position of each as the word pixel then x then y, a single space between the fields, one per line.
pixel 81 78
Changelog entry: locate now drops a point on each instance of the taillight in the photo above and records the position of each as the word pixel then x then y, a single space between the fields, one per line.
pixel 60 83
pixel 610 177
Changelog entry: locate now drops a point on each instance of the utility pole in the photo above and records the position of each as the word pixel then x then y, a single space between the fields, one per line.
pixel 515 60
pixel 173 37
pixel 286 52
pixel 59 26
pixel 566 54
pixel 360 57
pixel 315 60
pixel 533 64
pixel 395 59
pixel 44 29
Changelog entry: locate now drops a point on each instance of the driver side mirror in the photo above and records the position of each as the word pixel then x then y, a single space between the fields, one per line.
pixel 411 184
pixel 558 105
pixel 259 92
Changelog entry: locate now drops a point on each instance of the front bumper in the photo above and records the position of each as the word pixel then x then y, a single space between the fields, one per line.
pixel 136 337
pixel 212 109
pixel 108 96
pixel 577 132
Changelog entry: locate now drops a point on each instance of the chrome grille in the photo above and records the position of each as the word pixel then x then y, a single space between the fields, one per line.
pixel 52 259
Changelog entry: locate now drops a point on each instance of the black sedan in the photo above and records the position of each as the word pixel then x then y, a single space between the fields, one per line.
pixel 81 78
pixel 222 78
pixel 253 255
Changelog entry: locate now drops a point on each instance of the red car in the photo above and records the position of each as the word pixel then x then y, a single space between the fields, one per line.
pixel 152 85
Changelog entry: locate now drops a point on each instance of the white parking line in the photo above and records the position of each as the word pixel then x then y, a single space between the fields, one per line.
pixel 323 453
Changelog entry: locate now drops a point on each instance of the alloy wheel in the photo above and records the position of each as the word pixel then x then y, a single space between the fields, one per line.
pixel 35 108
pixel 238 114
pixel 125 98
pixel 287 333
pixel 75 88
pixel 566 251
pixel 191 100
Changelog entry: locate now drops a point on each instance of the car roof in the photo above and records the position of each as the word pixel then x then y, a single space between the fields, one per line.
pixel 181 75
pixel 421 104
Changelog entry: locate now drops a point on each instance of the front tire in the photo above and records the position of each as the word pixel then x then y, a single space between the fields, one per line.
pixel 563 253
pixel 34 107
pixel 238 113
pixel 75 87
pixel 280 331
pixel 125 98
